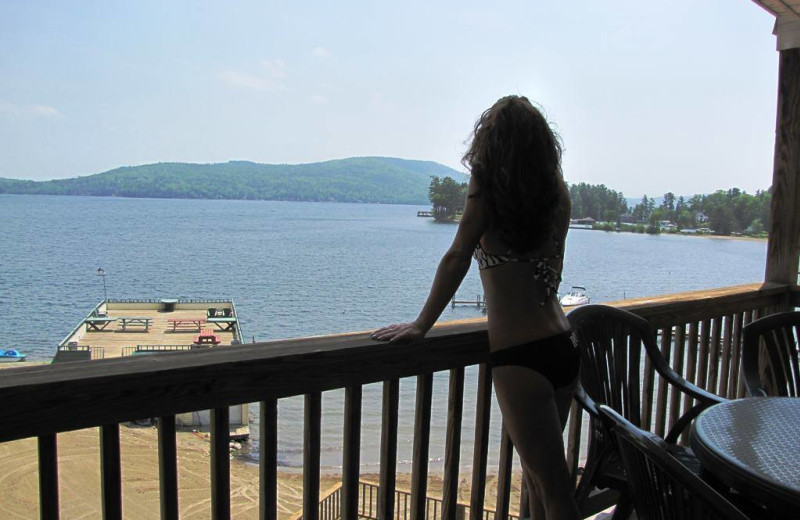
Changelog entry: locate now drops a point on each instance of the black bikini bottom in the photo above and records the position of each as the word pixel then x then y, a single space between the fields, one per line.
pixel 556 358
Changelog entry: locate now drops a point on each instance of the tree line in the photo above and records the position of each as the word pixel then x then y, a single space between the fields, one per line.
pixel 723 212
pixel 447 197
pixel 383 180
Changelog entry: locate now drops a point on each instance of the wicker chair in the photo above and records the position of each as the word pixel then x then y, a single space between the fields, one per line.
pixel 611 342
pixel 660 486
pixel 770 364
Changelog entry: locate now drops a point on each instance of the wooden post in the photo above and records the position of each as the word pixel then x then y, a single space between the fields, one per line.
pixel 784 236
pixel 220 464
pixel 48 477
pixel 388 474
pixel 268 459
pixel 312 431
pixel 352 453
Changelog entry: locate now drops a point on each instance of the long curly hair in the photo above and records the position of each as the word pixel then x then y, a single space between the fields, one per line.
pixel 515 157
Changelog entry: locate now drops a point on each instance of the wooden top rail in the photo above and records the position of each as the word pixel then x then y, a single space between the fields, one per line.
pixel 663 311
pixel 48 399
pixel 51 398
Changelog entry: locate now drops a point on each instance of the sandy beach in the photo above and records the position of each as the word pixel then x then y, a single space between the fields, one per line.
pixel 79 477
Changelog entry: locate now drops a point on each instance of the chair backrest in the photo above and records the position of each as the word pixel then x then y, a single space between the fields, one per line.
pixel 770 364
pixel 659 485
pixel 610 342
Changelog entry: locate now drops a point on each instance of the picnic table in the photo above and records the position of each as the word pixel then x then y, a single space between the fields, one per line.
pixel 137 321
pixel 186 324
pixel 223 322
pixel 98 323
pixel 206 337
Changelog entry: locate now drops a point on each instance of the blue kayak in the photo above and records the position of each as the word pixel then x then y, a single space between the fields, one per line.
pixel 11 355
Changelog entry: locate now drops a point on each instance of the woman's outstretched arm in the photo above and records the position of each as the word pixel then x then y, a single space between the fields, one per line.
pixel 451 271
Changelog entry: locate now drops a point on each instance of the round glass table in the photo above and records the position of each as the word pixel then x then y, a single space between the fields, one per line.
pixel 753 446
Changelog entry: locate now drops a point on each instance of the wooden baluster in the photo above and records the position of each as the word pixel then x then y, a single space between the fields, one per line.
pixel 311 455
pixel 648 382
pixel 726 356
pixel 661 404
pixel 452 457
pixel 387 479
pixel 48 477
pixel 352 452
pixel 268 460
pixel 482 416
pixel 678 355
pixel 691 370
pixel 220 464
pixel 110 472
pixel 422 433
pixel 749 316
pixel 702 369
pixel 715 349
pixel 504 476
pixel 736 348
pixel 168 467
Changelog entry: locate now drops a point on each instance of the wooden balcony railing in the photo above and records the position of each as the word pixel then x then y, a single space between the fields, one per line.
pixel 699 333
pixel 330 505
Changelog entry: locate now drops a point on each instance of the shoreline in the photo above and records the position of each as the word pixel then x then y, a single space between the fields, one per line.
pixel 692 235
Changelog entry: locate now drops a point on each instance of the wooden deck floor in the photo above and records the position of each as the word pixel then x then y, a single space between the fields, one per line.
pixel 113 340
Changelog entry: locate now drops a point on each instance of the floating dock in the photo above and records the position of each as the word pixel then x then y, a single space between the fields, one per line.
pixel 479 302
pixel 119 328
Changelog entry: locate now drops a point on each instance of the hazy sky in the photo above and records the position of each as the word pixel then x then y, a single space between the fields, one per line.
pixel 648 96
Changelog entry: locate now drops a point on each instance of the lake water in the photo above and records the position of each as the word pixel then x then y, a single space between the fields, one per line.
pixel 298 269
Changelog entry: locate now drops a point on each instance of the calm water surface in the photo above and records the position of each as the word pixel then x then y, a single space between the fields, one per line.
pixel 298 269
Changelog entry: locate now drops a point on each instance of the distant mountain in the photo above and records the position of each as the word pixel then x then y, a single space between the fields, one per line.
pixel 358 179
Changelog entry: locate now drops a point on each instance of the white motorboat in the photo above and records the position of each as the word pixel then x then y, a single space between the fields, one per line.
pixel 576 296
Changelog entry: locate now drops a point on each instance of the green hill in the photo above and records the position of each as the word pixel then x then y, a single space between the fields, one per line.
pixel 359 179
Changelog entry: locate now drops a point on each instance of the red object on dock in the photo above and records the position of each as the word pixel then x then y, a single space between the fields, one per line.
pixel 206 337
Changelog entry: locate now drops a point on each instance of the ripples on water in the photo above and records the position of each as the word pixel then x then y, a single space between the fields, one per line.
pixel 298 269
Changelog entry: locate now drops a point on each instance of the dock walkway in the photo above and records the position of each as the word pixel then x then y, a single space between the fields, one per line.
pixel 161 330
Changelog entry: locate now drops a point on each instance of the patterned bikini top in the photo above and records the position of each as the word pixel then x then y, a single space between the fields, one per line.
pixel 542 270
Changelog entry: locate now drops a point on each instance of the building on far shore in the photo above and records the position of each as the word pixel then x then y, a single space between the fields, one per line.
pixel 582 223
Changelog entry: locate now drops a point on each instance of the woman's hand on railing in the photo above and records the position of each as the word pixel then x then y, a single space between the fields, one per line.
pixel 399 332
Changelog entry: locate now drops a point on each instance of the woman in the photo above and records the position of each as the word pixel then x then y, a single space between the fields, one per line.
pixel 515 223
